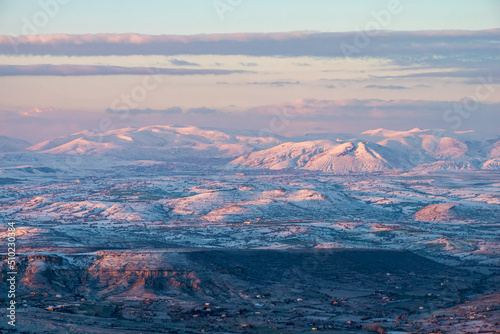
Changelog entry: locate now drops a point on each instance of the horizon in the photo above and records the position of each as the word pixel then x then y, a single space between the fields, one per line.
pixel 261 132
pixel 285 119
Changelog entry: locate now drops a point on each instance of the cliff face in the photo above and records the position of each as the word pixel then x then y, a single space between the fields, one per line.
pixel 104 274
pixel 112 274
pixel 219 290
pixel 42 272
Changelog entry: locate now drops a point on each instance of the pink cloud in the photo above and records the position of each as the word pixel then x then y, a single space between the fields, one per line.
pixel 299 117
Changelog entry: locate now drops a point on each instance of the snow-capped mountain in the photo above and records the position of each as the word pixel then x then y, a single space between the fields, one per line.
pixel 377 150
pixel 442 150
pixel 327 156
pixel 437 144
pixel 382 150
pixel 155 143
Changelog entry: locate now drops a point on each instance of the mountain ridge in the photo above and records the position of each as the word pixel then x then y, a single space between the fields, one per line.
pixel 378 150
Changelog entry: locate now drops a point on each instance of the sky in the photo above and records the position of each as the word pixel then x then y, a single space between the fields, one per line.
pixel 200 16
pixel 67 65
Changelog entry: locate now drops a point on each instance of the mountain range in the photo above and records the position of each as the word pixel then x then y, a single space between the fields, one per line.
pixel 372 151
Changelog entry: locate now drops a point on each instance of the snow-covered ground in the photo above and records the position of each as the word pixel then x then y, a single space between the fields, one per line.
pixel 448 216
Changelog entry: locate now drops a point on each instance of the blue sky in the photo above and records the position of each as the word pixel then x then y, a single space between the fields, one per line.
pixel 200 16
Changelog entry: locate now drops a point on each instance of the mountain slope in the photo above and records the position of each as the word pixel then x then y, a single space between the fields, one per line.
pixel 378 150
pixel 287 155
pixel 155 143
pixel 358 157
pixel 9 144
pixel 327 156
pixel 438 144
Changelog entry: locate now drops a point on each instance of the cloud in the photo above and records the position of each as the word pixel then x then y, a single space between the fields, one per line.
pixel 179 62
pixel 264 83
pixel 403 47
pixel 299 117
pixel 474 76
pixel 274 83
pixel 169 111
pixel 160 112
pixel 249 64
pixel 203 111
pixel 397 111
pixel 79 70
pixel 386 87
